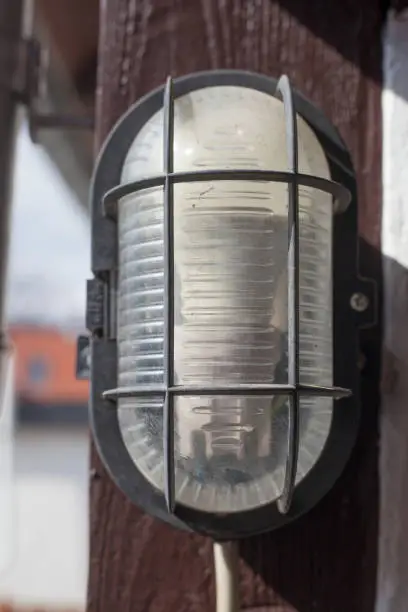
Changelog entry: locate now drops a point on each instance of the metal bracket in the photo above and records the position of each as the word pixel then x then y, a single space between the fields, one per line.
pixel 96 315
pixel 27 66
pixel 83 358
pixel 96 320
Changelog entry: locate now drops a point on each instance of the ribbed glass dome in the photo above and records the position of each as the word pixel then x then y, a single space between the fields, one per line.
pixel 230 297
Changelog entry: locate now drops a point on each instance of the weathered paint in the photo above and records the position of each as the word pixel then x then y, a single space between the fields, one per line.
pixel 392 595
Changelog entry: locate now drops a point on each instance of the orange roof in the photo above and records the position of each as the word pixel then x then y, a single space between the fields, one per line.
pixel 45 366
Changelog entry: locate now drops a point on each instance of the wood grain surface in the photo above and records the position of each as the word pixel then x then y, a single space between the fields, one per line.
pixel 326 561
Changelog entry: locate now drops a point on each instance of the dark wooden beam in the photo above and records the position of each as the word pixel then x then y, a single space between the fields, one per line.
pixel 399 5
pixel 11 13
pixel 68 33
pixel 326 561
pixel 73 28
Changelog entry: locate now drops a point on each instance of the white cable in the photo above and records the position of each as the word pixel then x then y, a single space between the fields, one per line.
pixel 226 576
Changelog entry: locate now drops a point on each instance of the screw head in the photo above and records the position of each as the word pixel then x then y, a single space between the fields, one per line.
pixel 359 302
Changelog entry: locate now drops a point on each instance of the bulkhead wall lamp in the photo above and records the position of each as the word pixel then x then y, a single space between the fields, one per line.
pixel 225 304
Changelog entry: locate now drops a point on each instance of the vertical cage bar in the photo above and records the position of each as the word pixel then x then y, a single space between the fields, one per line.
pixel 168 331
pixel 284 90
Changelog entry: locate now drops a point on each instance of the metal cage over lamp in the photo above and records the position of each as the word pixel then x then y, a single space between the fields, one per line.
pixel 223 304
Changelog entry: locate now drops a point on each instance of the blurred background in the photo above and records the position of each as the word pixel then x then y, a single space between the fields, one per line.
pixel 44 443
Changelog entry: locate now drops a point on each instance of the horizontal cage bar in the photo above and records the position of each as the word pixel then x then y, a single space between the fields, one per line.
pixel 250 390
pixel 340 193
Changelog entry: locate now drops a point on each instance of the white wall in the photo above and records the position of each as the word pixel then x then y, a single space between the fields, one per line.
pixel 7 488
pixel 50 561
pixel 392 587
pixel 49 245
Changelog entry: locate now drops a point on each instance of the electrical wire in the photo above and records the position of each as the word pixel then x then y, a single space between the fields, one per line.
pixel 226 576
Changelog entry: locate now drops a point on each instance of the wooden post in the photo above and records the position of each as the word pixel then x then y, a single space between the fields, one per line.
pixel 326 561
pixel 10 31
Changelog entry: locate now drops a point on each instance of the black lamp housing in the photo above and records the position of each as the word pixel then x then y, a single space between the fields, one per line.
pixel 101 315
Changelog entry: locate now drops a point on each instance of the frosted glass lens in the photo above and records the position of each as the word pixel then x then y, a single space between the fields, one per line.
pixel 230 451
pixel 230 301
pixel 230 261
pixel 315 280
pixel 140 289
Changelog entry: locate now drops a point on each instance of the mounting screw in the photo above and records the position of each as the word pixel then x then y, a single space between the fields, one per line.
pixel 359 302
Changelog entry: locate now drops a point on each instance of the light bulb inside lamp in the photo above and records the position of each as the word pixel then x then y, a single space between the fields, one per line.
pixel 230 301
